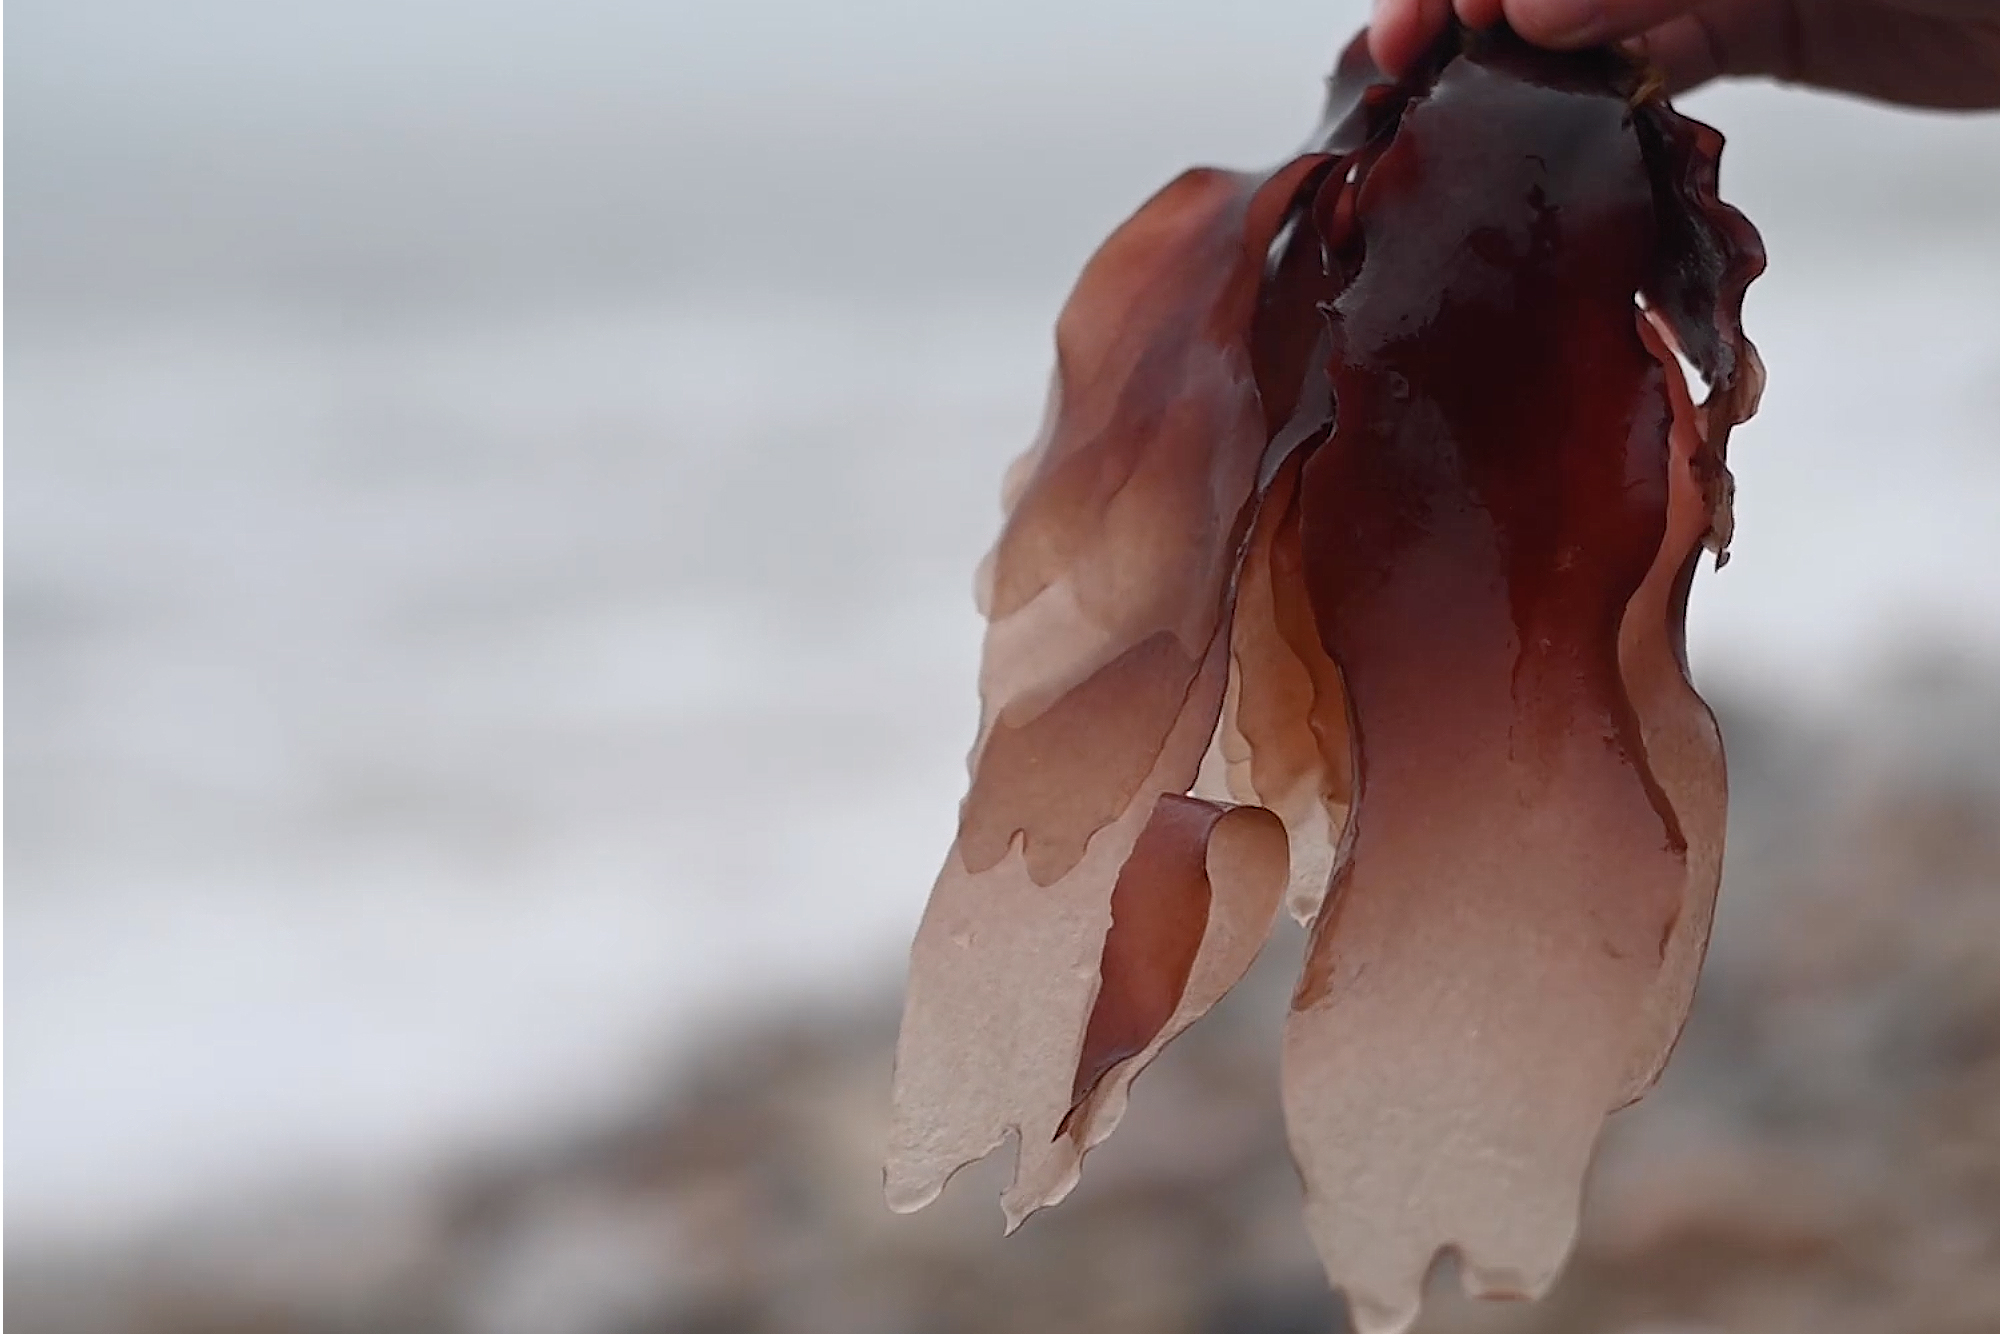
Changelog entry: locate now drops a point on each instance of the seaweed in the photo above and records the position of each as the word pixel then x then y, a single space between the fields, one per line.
pixel 1350 572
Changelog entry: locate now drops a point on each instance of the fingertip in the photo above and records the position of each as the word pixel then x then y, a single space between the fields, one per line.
pixel 1568 24
pixel 1399 30
pixel 1387 40
pixel 1480 14
pixel 1381 50
pixel 1558 23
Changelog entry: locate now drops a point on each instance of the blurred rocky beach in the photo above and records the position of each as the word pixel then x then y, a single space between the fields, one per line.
pixel 1822 1156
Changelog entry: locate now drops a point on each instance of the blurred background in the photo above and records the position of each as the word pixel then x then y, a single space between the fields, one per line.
pixel 492 497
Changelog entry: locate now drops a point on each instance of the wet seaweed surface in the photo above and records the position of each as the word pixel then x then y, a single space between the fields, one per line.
pixel 1349 574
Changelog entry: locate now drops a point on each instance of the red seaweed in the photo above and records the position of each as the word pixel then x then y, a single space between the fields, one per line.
pixel 1354 558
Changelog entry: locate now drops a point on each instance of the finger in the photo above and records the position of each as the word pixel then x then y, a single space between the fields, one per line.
pixel 1480 13
pixel 1916 55
pixel 1573 23
pixel 1913 55
pixel 1684 50
pixel 1401 29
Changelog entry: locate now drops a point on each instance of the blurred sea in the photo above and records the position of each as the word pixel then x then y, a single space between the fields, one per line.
pixel 492 497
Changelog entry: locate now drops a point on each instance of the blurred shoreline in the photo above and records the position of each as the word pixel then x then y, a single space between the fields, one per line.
pixel 1821 1155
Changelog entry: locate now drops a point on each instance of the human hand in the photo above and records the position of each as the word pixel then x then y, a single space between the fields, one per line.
pixel 1929 53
